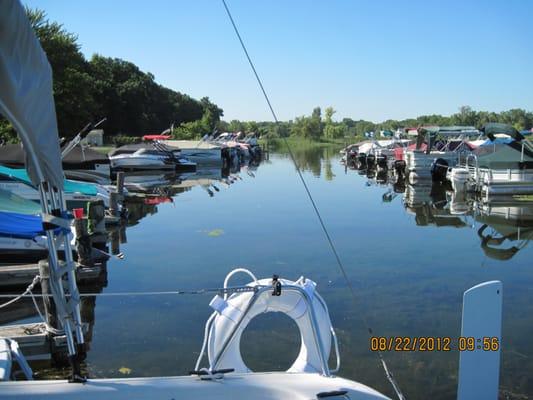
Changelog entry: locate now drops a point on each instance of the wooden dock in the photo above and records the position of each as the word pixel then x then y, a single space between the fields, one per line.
pixel 32 339
pixel 22 274
pixel 35 342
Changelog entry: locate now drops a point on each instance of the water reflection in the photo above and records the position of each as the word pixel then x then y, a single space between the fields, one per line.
pixel 412 250
pixel 505 228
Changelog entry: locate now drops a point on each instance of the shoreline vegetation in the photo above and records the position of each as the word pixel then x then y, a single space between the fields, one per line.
pixel 135 104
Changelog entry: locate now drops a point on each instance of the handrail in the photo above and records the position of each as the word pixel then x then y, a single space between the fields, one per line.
pixel 476 167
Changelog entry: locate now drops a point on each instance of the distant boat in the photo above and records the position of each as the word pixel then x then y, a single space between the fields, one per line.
pixel 501 165
pixel 433 161
pixel 149 156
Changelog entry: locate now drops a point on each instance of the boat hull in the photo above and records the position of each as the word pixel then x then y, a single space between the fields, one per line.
pixel 259 386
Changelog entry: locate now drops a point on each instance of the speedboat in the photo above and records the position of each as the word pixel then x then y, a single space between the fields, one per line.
pixel 149 156
pixel 22 238
pixel 199 152
pixel 77 194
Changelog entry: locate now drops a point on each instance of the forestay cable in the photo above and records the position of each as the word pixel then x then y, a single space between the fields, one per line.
pixel 388 373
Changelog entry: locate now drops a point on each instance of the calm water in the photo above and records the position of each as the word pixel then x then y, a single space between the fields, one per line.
pixel 408 258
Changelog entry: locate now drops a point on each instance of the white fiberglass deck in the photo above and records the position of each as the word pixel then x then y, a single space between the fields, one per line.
pixel 258 386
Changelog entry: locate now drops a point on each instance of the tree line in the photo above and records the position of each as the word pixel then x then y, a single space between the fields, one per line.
pixel 89 90
pixel 321 126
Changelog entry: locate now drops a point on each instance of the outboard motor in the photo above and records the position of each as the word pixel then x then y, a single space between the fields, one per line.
pixel 381 176
pixel 439 168
pixel 399 167
pixel 351 157
pixel 382 161
pixel 361 157
pixel 370 160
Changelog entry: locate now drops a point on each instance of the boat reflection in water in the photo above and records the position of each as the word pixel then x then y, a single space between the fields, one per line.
pixel 146 192
pixel 505 228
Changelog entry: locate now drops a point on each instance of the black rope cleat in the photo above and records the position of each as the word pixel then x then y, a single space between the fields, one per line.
pixel 76 376
pixel 276 286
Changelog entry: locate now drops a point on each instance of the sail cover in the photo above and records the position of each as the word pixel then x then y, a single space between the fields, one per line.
pixel 26 94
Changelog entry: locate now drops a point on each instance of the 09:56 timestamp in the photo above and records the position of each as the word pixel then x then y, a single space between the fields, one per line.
pixel 430 343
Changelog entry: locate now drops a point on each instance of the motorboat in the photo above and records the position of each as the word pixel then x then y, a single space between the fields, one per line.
pixel 198 151
pixel 22 238
pixel 77 194
pixel 11 202
pixel 149 156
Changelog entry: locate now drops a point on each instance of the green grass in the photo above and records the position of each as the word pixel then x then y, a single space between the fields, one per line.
pixel 103 149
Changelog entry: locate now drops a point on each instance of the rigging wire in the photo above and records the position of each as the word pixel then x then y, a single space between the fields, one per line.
pixel 388 373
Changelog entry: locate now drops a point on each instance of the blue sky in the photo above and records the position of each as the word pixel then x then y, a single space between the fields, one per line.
pixel 368 59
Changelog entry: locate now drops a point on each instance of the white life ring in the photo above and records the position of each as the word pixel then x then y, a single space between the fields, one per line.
pixel 292 303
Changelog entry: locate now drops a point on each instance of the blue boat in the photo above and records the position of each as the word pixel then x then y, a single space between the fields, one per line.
pixel 77 194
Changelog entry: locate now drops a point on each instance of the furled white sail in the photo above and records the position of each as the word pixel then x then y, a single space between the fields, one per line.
pixel 26 98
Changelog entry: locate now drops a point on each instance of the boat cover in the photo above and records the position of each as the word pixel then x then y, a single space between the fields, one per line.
pixel 69 186
pixel 20 225
pixel 13 203
pixel 13 155
pixel 26 94
pixel 493 128
pixel 497 140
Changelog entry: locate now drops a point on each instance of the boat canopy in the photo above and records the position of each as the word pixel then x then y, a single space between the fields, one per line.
pixel 69 186
pixel 493 128
pixel 450 130
pixel 26 98
pixel 13 203
pixel 20 225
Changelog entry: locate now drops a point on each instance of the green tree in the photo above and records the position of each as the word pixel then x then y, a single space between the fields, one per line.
pixel 236 126
pixel 73 85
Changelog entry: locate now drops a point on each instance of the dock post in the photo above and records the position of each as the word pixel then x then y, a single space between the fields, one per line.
pixel 120 183
pixel 58 352
pixel 96 217
pixel 117 197
pixel 83 243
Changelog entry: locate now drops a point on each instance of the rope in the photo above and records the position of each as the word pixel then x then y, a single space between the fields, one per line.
pixel 234 289
pixel 30 287
pixel 389 375
pixel 29 293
